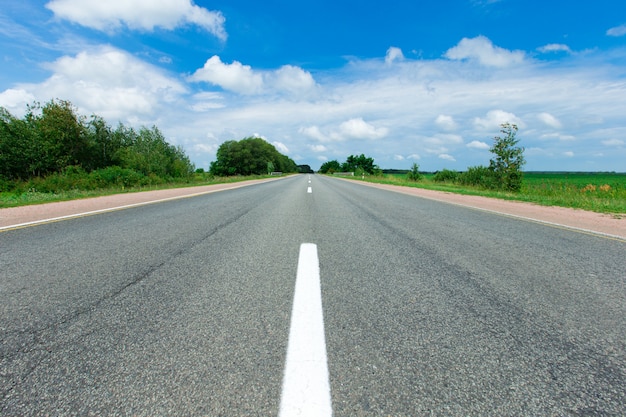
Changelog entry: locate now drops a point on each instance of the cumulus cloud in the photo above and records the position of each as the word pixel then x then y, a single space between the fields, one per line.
pixel 138 14
pixel 617 31
pixel 318 148
pixel 281 147
pixel 106 81
pixel 393 54
pixel 476 144
pixel 549 120
pixel 291 79
pixel 313 132
pixel 495 118
pixel 446 157
pixel 359 129
pixel 482 50
pixel 446 122
pixel 243 79
pixel 15 100
pixel 235 77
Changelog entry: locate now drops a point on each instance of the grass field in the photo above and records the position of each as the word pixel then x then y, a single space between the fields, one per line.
pixel 600 192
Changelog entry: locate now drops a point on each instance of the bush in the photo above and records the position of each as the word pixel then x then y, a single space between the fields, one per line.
pixel 478 176
pixel 446 175
pixel 414 173
pixel 116 176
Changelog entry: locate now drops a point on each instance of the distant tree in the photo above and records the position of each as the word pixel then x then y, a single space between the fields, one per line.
pixel 360 163
pixel 304 169
pixel 249 156
pixel 414 173
pixel 508 159
pixel 329 167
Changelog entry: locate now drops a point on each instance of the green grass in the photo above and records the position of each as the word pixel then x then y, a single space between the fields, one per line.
pixel 24 198
pixel 599 192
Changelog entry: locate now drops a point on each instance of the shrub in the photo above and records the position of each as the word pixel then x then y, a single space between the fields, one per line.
pixel 414 173
pixel 478 176
pixel 446 175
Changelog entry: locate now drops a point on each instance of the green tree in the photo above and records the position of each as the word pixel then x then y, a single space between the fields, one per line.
pixel 508 159
pixel 360 163
pixel 329 167
pixel 249 156
pixel 414 173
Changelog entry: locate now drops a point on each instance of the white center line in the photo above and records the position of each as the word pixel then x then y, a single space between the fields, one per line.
pixel 309 190
pixel 306 388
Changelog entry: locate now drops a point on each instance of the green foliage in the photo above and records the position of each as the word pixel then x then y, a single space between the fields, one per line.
pixel 478 176
pixel 360 164
pixel 249 156
pixel 54 148
pixel 446 175
pixel 508 159
pixel 330 167
pixel 414 173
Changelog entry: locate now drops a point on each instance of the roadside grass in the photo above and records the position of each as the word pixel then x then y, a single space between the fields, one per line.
pixel 599 192
pixel 32 196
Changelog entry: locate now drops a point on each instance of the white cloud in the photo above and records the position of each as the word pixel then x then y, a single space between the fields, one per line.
pixel 398 158
pixel 138 14
pixel 613 142
pixel 446 122
pixel 243 79
pixel 569 154
pixel 393 54
pixel 313 132
pixel 555 47
pixel 108 82
pixel 281 147
pixel 413 156
pixel 359 129
pixel 495 118
pixel 476 144
pixel 558 136
pixel 291 79
pixel 235 77
pixel 617 31
pixel 446 157
pixel 549 120
pixel 318 148
pixel 15 100
pixel 482 50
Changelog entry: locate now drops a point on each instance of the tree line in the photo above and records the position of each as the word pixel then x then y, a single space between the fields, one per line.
pixel 53 138
pixel 360 164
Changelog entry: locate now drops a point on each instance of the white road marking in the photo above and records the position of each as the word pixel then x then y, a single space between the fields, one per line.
pixel 309 190
pixel 306 388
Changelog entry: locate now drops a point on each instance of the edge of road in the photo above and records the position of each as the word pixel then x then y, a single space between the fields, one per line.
pixel 25 216
pixel 605 225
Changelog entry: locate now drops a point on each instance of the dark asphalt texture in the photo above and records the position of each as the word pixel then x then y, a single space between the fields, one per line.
pixel 183 308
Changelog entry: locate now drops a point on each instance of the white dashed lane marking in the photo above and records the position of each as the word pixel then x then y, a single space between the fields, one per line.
pixel 306 388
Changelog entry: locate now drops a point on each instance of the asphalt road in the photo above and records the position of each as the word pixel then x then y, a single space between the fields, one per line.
pixel 183 308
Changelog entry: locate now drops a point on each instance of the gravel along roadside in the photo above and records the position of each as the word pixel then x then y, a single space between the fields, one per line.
pixel 603 224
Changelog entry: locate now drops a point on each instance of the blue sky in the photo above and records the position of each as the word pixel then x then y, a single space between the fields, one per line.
pixel 426 82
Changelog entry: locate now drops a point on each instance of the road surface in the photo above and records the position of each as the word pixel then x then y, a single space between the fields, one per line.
pixel 185 308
